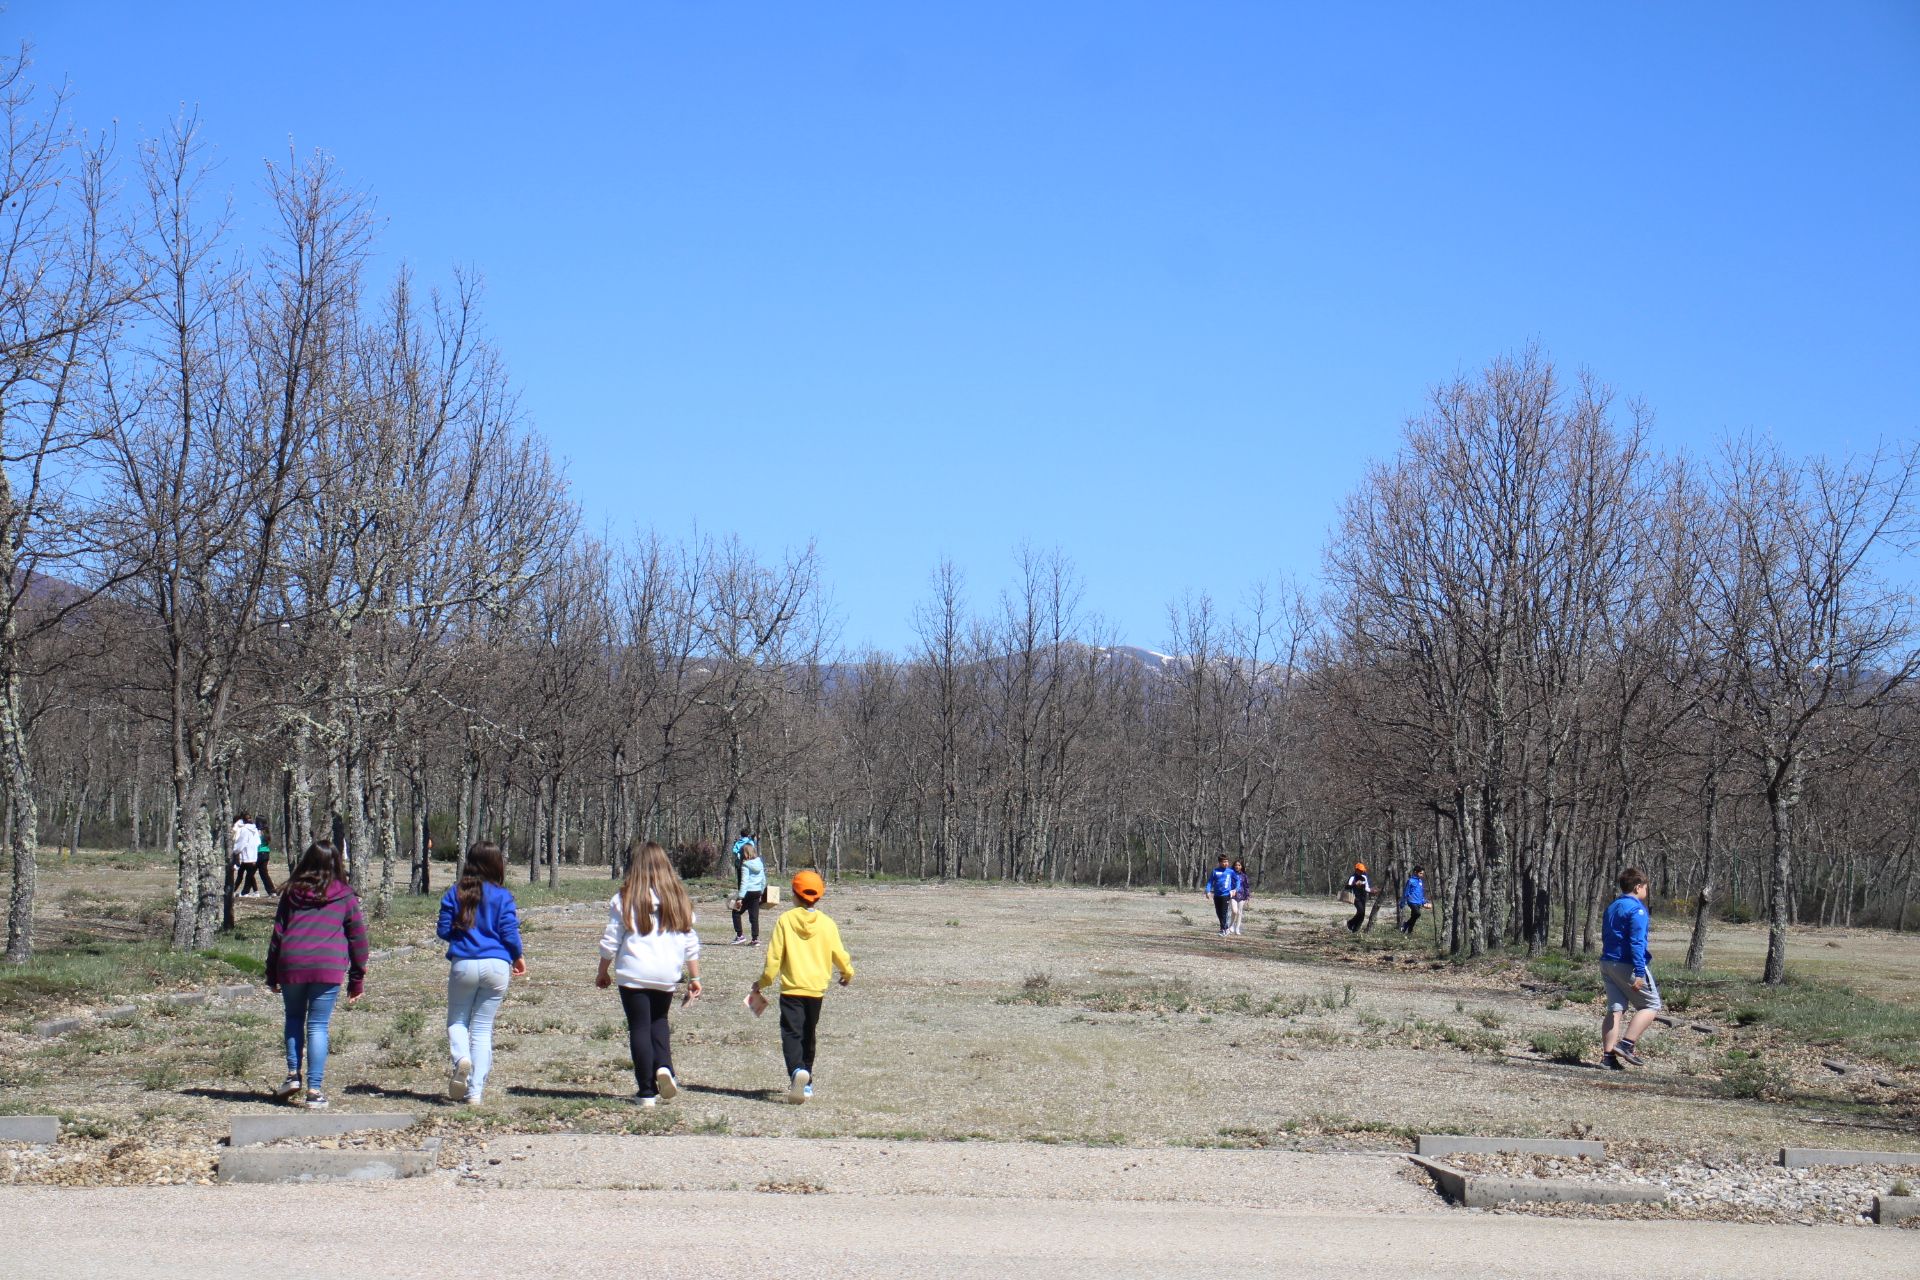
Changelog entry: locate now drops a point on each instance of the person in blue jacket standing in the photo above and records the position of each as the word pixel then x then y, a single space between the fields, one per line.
pixel 1625 971
pixel 1413 898
pixel 1220 886
pixel 481 926
pixel 749 893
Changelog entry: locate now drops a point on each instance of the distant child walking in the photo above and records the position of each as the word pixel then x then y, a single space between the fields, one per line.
pixel 648 941
pixel 1236 917
pixel 802 953
pixel 1361 888
pixel 1625 974
pixel 319 942
pixel 1413 898
pixel 750 892
pixel 480 923
pixel 1219 887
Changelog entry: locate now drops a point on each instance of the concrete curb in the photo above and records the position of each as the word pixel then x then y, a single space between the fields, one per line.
pixel 53 1027
pixel 1446 1144
pixel 248 1131
pixel 1477 1192
pixel 276 1164
pixel 36 1129
pixel 1809 1157
pixel 1891 1211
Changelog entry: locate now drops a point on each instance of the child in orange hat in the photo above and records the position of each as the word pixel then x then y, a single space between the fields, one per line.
pixel 803 952
pixel 1361 888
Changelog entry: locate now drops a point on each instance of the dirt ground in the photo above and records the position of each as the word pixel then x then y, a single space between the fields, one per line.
pixel 1042 1015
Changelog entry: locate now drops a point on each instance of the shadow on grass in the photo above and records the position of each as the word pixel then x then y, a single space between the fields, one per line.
pixel 382 1091
pixel 751 1095
pixel 228 1095
pixel 578 1095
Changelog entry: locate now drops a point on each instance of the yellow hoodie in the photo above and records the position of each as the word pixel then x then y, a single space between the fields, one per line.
pixel 803 951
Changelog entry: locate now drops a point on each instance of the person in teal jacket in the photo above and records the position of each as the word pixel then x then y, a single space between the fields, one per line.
pixel 750 892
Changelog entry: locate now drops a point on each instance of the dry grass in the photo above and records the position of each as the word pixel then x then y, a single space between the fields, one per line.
pixel 1049 1015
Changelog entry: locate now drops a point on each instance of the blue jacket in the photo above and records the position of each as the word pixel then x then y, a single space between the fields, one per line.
pixel 1415 894
pixel 753 875
pixel 1623 934
pixel 495 934
pixel 1220 882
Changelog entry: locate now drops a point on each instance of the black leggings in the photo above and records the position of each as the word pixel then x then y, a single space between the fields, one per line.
pixel 1359 911
pixel 1221 907
pixel 247 872
pixel 750 904
pixel 1413 918
pixel 647 1034
pixel 799 1019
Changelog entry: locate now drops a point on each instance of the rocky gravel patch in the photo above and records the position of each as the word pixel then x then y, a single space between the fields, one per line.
pixel 1722 1186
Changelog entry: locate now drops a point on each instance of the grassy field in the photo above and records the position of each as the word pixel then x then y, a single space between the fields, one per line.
pixel 1007 1014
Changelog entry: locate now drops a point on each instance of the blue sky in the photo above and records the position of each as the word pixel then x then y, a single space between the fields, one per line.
pixel 1147 282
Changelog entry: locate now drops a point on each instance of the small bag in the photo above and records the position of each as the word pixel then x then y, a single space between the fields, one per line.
pixel 772 896
pixel 1346 896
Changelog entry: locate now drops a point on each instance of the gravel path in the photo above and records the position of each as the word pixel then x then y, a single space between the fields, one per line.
pixel 404 1230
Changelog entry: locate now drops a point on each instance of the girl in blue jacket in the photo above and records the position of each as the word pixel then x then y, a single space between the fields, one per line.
pixel 750 893
pixel 481 926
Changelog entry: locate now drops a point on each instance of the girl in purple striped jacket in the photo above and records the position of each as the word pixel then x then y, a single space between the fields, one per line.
pixel 319 942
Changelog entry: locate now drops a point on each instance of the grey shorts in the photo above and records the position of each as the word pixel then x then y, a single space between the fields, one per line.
pixel 1618 979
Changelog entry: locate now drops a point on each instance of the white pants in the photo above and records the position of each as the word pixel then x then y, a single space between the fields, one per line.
pixel 1235 913
pixel 475 989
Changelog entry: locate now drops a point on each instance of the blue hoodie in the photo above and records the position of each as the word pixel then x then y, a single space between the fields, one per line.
pixel 1416 893
pixel 1623 934
pixel 495 933
pixel 753 875
pixel 1220 883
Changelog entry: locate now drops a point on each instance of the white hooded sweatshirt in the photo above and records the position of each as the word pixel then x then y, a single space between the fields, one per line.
pixel 652 961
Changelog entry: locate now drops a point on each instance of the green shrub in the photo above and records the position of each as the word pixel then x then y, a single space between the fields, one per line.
pixel 1563 1044
pixel 1750 1075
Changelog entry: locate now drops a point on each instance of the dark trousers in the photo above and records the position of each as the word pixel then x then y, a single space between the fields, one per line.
pixel 750 907
pixel 248 884
pixel 1222 907
pixel 1413 918
pixel 647 1034
pixel 799 1019
pixel 1359 911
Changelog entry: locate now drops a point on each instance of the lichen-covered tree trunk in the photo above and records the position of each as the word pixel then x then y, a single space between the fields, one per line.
pixel 22 827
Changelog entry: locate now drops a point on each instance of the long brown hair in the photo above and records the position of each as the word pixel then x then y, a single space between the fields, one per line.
pixel 484 865
pixel 319 866
pixel 650 876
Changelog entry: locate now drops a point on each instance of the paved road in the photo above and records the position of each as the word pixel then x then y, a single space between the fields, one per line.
pixel 431 1228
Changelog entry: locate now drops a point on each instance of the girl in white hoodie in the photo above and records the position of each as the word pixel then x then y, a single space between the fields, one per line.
pixel 648 941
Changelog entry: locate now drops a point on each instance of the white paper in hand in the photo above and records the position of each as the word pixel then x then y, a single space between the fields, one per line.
pixel 756 1003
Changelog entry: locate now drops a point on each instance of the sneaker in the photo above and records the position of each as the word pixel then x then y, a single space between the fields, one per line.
pixel 460 1078
pixel 646 1102
pixel 739 939
pixel 1627 1055
pixel 288 1087
pixel 1612 1062
pixel 664 1081
pixel 316 1100
pixel 807 1092
pixel 799 1088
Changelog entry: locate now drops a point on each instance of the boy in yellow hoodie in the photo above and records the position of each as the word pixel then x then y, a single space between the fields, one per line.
pixel 802 954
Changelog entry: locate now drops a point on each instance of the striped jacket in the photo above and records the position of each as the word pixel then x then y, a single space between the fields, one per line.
pixel 318 937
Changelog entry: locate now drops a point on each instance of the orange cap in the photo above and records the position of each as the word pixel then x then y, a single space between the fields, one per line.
pixel 808 886
pixel 1359 866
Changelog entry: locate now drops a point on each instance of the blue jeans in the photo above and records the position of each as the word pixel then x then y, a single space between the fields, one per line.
pixel 475 989
pixel 309 1007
